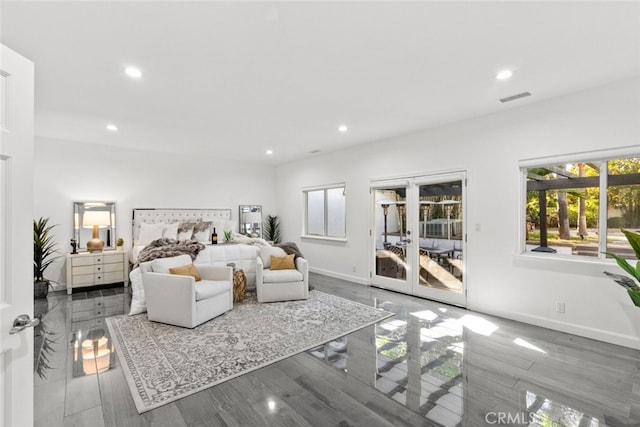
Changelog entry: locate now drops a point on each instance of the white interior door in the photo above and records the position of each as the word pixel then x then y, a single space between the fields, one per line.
pixel 418 236
pixel 16 237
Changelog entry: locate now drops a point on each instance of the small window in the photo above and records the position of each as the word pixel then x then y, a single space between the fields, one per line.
pixel 577 208
pixel 325 212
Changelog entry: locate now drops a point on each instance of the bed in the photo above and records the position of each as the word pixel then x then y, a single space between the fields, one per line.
pixel 185 224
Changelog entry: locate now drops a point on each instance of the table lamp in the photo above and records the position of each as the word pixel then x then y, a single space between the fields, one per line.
pixel 96 220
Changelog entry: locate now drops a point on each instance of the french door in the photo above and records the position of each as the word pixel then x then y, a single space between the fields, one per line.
pixel 418 236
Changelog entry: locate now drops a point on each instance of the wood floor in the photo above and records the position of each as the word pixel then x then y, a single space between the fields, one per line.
pixel 431 364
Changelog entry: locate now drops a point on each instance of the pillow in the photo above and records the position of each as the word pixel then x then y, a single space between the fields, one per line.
pixel 149 232
pixel 282 262
pixel 202 231
pixel 267 251
pixel 138 303
pixel 170 230
pixel 186 270
pixel 185 230
pixel 162 265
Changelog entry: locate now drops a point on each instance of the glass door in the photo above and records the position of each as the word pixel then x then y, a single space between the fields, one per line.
pixel 391 268
pixel 419 236
pixel 440 245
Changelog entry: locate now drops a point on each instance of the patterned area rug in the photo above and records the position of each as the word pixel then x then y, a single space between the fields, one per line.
pixel 164 363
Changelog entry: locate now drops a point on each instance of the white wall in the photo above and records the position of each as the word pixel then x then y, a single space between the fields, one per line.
pixel 66 172
pixel 489 148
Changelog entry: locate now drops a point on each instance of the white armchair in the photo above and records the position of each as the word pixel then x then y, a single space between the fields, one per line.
pixel 180 300
pixel 280 285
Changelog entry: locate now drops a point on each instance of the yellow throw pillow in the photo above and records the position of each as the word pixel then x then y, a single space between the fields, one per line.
pixel 283 262
pixel 187 270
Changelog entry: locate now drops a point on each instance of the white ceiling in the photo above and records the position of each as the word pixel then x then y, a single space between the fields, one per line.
pixel 233 79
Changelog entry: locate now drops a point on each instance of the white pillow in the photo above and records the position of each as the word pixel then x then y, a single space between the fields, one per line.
pixel 185 230
pixel 162 265
pixel 149 233
pixel 202 231
pixel 170 230
pixel 266 252
pixel 138 303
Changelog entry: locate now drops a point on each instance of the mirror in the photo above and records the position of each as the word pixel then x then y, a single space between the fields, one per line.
pixel 86 215
pixel 250 220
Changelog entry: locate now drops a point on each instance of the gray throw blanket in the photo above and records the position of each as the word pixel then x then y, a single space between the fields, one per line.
pixel 166 248
pixel 290 248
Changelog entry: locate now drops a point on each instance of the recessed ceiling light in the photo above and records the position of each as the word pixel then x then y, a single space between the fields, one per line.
pixel 504 75
pixel 269 152
pixel 112 127
pixel 343 128
pixel 133 72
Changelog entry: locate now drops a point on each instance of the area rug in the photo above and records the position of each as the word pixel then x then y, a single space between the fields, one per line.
pixel 164 363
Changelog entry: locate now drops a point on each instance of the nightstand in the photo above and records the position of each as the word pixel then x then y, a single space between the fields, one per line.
pixel 92 269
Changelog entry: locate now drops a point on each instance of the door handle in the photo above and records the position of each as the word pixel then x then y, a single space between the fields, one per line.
pixel 23 321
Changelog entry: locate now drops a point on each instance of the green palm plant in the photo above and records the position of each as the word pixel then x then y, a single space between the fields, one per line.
pixel 44 248
pixel 272 229
pixel 629 283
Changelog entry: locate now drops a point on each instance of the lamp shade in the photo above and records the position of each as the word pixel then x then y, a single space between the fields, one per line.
pixel 100 218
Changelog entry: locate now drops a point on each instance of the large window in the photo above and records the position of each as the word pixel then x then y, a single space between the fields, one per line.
pixel 325 214
pixel 577 208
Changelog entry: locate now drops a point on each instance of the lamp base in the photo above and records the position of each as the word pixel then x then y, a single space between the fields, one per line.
pixel 95 245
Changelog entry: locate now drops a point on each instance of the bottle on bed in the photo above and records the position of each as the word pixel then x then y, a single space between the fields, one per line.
pixel 214 237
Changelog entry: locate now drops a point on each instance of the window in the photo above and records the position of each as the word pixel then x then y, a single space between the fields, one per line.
pixel 577 208
pixel 325 212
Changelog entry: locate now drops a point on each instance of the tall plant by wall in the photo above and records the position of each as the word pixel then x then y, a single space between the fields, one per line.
pixel 44 254
pixel 272 229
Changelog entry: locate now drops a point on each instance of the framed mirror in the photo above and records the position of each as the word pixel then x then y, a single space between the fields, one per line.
pixel 250 220
pixel 90 215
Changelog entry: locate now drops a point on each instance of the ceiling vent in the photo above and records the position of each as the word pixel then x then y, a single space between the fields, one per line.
pixel 514 97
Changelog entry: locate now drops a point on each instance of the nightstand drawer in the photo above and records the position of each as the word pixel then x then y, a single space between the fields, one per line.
pixel 111 277
pixel 83 279
pixel 112 267
pixel 113 258
pixel 83 260
pixel 84 269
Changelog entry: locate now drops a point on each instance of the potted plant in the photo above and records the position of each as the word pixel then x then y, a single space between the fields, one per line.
pixel 272 229
pixel 629 283
pixel 227 235
pixel 44 254
pixel 119 243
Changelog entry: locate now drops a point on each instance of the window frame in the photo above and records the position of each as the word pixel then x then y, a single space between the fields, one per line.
pixel 305 214
pixel 599 156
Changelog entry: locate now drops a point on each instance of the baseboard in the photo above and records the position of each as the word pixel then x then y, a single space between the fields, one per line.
pixel 623 340
pixel 347 277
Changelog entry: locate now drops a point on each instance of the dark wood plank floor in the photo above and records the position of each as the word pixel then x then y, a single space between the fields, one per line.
pixel 431 364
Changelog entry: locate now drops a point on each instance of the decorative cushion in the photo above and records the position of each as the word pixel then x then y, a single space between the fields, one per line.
pixel 149 233
pixel 170 231
pixel 162 265
pixel 186 270
pixel 138 303
pixel 185 230
pixel 279 276
pixel 202 231
pixel 210 288
pixel 266 252
pixel 282 262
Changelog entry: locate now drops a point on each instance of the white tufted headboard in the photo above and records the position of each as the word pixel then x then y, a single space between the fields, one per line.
pixel 168 216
